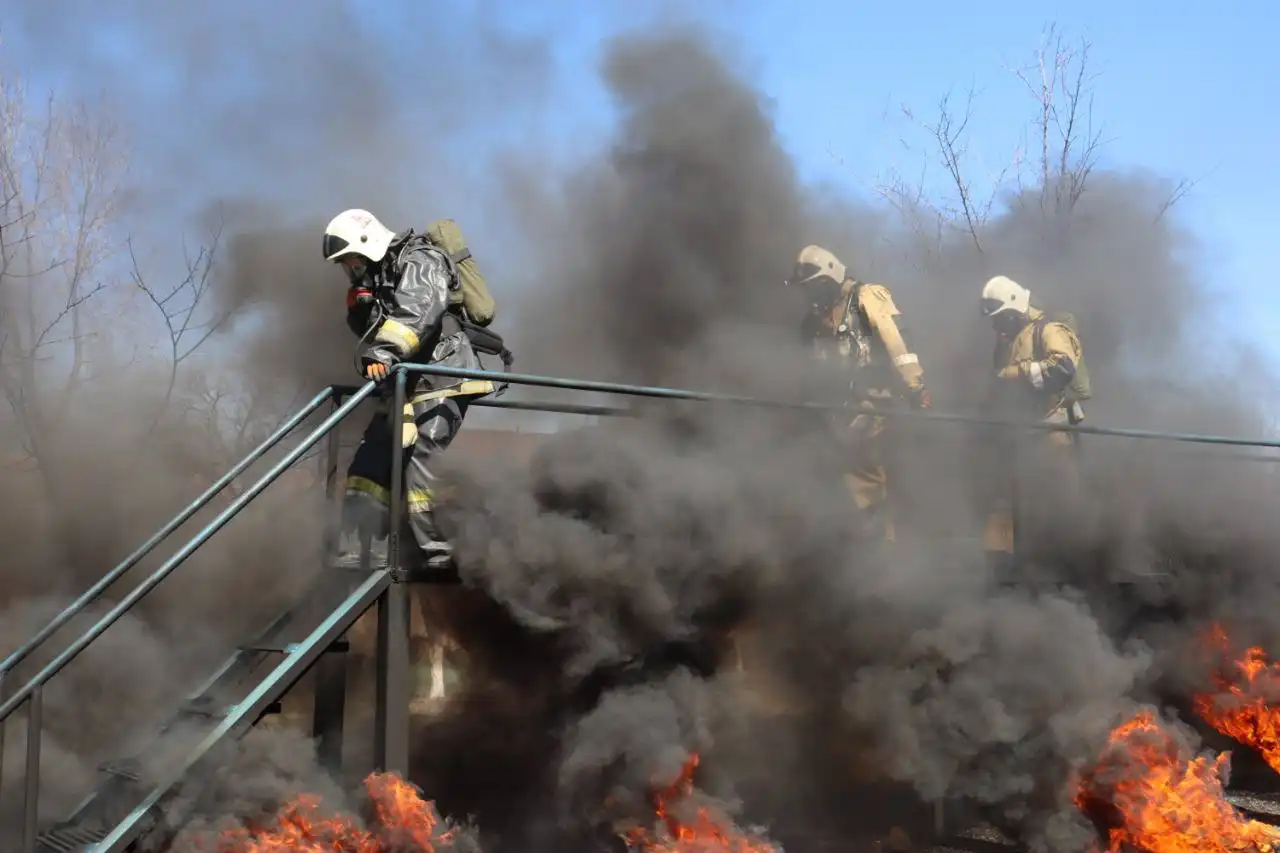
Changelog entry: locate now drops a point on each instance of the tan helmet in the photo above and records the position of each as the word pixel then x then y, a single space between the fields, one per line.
pixel 814 262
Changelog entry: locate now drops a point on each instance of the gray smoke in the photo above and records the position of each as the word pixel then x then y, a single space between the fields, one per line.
pixel 260 156
pixel 641 549
pixel 622 538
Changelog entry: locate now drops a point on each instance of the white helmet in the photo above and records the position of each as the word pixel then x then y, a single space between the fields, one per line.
pixel 356 232
pixel 1002 294
pixel 814 262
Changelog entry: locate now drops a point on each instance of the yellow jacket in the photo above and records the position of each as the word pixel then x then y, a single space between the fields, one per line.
pixel 863 328
pixel 1035 368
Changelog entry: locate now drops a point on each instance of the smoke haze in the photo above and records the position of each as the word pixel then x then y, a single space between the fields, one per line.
pixel 637 549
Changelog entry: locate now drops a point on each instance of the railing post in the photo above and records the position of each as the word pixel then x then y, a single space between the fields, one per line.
pixel 328 710
pixel 329 705
pixel 3 726
pixel 396 424
pixel 391 726
pixel 31 797
pixel 1015 508
pixel 329 472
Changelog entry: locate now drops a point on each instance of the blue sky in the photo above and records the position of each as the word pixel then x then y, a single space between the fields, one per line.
pixel 1180 89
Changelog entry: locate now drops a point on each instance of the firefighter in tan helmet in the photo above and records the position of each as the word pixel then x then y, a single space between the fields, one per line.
pixel 859 324
pixel 1039 375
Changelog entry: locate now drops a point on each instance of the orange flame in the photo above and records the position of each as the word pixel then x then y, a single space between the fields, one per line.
pixel 1164 802
pixel 703 834
pixel 1242 708
pixel 404 820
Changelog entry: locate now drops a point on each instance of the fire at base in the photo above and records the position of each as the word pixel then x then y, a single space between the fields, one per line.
pixel 403 823
pixel 1146 792
pixel 703 832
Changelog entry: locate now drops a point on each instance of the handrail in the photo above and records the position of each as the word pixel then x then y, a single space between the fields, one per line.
pixel 405 368
pixel 110 617
pixel 92 593
pixel 738 399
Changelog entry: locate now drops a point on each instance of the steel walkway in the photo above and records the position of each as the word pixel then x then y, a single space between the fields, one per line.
pixel 129 804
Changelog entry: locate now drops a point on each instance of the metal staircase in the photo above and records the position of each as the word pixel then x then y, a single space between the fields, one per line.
pixel 246 688
pixel 124 806
pixel 133 800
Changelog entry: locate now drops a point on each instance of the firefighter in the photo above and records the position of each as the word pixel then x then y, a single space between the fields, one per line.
pixel 1038 375
pixel 399 304
pixel 858 324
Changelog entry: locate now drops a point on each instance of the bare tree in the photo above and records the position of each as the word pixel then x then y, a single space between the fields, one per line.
pixel 61 166
pixel 1061 82
pixel 932 218
pixel 185 310
pixel 1050 167
pixel 69 280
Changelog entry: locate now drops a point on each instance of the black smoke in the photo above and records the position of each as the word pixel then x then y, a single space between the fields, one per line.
pixel 626 562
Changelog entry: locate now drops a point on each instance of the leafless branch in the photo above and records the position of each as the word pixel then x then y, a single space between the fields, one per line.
pixel 74 301
pixel 1180 191
pixel 60 164
pixel 180 306
pixel 1061 82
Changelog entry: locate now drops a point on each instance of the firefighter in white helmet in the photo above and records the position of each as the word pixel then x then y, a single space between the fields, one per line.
pixel 1038 375
pixel 398 303
pixel 859 324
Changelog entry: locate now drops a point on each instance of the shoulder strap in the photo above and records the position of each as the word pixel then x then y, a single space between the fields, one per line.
pixel 1038 339
pixel 853 306
pixel 450 261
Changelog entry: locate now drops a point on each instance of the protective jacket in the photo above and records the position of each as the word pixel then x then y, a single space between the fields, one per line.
pixel 1033 475
pixel 862 332
pixel 863 329
pixel 411 320
pixel 1034 370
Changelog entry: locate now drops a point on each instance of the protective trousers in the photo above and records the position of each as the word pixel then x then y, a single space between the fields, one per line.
pixel 1037 489
pixel 427 428
pixel 866 474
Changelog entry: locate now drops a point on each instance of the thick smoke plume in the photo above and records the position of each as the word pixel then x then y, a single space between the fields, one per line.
pixel 629 560
pixel 625 539
pixel 249 164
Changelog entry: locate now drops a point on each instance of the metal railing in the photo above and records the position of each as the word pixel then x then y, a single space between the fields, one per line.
pixel 32 693
pixel 392 745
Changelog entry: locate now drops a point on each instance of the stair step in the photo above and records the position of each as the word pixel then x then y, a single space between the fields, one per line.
pixel 351 562
pixel 126 768
pixel 211 712
pixel 340 645
pixel 71 839
pixel 203 708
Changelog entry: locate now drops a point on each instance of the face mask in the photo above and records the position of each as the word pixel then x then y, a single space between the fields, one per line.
pixel 357 269
pixel 1007 322
pixel 357 272
pixel 821 294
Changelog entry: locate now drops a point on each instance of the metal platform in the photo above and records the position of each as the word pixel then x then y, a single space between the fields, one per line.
pixel 126 805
